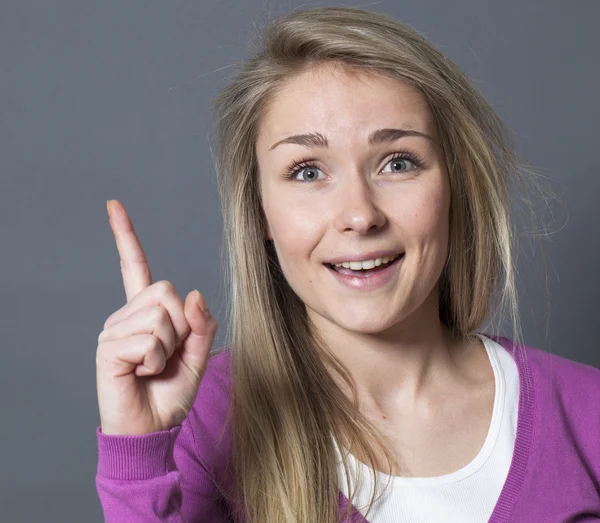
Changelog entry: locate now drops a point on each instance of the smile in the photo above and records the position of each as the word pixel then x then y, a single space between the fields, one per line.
pixel 365 264
pixel 371 275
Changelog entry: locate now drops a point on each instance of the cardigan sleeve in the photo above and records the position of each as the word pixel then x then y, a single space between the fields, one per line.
pixel 171 475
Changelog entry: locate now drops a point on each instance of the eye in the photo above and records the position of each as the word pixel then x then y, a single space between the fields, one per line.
pixel 303 171
pixel 308 174
pixel 306 171
pixel 400 159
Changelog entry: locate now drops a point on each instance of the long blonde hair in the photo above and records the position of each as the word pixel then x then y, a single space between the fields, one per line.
pixel 285 404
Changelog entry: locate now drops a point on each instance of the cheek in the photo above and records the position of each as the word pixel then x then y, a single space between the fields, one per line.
pixel 294 228
pixel 427 214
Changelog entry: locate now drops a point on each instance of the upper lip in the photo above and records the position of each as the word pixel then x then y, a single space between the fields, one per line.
pixel 363 257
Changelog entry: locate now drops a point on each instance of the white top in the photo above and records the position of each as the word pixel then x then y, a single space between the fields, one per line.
pixel 466 495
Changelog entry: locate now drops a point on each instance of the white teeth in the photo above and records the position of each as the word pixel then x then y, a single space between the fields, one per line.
pixel 367 264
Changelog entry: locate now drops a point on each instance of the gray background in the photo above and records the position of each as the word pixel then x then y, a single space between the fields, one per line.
pixel 109 99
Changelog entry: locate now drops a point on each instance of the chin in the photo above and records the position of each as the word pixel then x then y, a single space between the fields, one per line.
pixel 366 325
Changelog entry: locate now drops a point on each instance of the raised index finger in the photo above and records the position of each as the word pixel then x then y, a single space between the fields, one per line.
pixel 134 265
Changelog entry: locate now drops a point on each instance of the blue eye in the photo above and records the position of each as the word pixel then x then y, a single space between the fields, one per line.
pixel 307 173
pixel 402 158
pixel 302 167
pixel 306 167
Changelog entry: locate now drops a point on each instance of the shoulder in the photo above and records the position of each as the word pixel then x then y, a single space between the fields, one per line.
pixel 564 372
pixel 558 423
pixel 566 389
pixel 561 392
pixel 574 381
pixel 560 395
pixel 562 375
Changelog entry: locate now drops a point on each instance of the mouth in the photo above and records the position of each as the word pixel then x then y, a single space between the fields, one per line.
pixel 366 268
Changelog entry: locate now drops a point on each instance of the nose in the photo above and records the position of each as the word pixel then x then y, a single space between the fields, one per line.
pixel 356 207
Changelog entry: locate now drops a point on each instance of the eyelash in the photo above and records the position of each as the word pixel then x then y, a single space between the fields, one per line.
pixel 292 170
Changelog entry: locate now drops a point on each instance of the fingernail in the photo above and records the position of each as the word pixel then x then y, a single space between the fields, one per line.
pixel 202 304
pixel 108 207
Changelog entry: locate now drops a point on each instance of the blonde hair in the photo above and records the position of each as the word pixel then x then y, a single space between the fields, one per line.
pixel 285 404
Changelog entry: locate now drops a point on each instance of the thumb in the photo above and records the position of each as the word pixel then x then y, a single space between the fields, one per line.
pixel 195 348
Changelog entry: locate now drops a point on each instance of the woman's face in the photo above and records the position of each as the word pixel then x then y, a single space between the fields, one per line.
pixel 369 193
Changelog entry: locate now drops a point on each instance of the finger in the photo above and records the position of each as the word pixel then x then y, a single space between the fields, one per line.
pixel 196 347
pixel 134 265
pixel 121 357
pixel 151 320
pixel 163 294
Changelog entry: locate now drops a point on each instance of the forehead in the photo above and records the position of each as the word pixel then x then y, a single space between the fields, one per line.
pixel 343 103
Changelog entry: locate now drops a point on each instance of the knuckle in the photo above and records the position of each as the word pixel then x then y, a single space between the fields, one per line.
pixel 153 343
pixel 156 355
pixel 165 287
pixel 108 322
pixel 138 258
pixel 159 314
pixel 156 345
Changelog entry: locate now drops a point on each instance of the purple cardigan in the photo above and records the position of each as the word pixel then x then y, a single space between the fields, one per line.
pixel 554 474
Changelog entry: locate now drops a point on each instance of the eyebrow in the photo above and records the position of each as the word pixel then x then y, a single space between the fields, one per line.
pixel 376 137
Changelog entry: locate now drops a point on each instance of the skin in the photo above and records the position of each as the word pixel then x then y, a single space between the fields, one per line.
pixel 430 394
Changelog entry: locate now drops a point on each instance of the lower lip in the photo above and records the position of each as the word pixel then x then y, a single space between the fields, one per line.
pixel 369 281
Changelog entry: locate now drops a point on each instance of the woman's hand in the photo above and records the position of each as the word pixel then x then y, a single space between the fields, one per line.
pixel 153 351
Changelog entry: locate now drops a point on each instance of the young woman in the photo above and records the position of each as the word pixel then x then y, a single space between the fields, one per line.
pixel 365 189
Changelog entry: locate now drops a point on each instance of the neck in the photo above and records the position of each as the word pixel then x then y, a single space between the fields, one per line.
pixel 399 365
